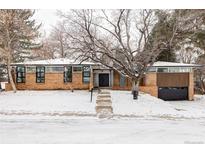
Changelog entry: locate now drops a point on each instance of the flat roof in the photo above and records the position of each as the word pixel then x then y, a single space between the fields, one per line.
pixel 65 61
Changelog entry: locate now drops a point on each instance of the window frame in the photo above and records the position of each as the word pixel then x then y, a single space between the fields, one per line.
pixel 42 78
pixel 66 77
pixel 23 74
pixel 86 76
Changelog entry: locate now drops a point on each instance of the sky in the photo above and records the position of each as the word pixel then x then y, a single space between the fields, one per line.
pixel 48 18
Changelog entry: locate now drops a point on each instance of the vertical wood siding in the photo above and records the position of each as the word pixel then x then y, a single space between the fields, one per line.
pixel 172 79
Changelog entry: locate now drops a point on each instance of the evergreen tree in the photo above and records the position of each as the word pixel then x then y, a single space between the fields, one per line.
pixel 17 33
pixel 167 55
pixel 163 30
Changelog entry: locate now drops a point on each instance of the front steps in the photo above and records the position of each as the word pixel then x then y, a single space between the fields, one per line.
pixel 104 105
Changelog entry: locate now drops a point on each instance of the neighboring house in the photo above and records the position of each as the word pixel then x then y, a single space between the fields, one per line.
pixel 168 81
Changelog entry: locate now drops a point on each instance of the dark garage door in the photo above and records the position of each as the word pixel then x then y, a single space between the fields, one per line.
pixel 104 80
pixel 179 93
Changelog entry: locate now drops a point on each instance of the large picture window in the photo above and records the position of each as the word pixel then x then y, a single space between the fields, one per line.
pixel 20 74
pixel 68 74
pixel 40 74
pixel 86 74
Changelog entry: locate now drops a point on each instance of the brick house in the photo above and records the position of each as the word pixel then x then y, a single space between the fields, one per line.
pixel 168 81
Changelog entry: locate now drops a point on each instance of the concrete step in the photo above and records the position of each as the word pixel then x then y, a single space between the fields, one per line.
pixel 104 105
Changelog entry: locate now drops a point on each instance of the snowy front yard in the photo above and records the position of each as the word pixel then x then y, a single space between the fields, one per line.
pixel 46 102
pixel 66 117
pixel 78 102
pixel 147 105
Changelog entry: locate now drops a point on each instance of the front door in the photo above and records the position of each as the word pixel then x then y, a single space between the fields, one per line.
pixel 104 80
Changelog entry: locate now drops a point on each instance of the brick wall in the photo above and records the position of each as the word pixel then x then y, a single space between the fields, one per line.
pixel 191 86
pixel 116 82
pixel 56 81
pixel 150 79
pixel 52 81
pixel 152 90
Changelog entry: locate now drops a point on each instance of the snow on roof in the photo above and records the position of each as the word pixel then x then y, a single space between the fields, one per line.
pixel 172 64
pixel 59 61
pixel 62 61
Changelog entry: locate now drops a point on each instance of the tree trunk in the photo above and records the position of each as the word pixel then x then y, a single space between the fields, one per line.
pixel 61 47
pixel 135 89
pixel 9 54
pixel 10 76
pixel 202 86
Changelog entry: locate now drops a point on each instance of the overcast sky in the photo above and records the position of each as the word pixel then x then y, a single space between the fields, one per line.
pixel 47 17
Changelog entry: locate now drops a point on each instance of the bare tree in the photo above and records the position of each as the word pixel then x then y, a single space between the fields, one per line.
pixel 46 51
pixel 122 37
pixel 59 41
pixel 55 45
pixel 188 53
pixel 189 42
pixel 16 32
pixel 200 74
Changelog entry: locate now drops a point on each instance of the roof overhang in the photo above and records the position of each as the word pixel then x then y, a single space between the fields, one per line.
pixel 172 64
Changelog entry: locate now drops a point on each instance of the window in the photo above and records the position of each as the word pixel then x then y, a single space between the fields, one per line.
pixel 122 80
pixel 179 69
pixel 20 74
pixel 86 74
pixel 186 69
pixel 30 69
pixel 52 69
pixel 152 69
pixel 40 74
pixel 77 68
pixel 68 74
pixel 162 69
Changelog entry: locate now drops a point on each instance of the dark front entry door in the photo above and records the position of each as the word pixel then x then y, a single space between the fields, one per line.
pixel 103 80
pixel 180 93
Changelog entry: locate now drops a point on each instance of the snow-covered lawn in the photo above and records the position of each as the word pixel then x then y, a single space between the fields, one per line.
pixel 66 117
pixel 147 105
pixel 78 102
pixel 58 102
